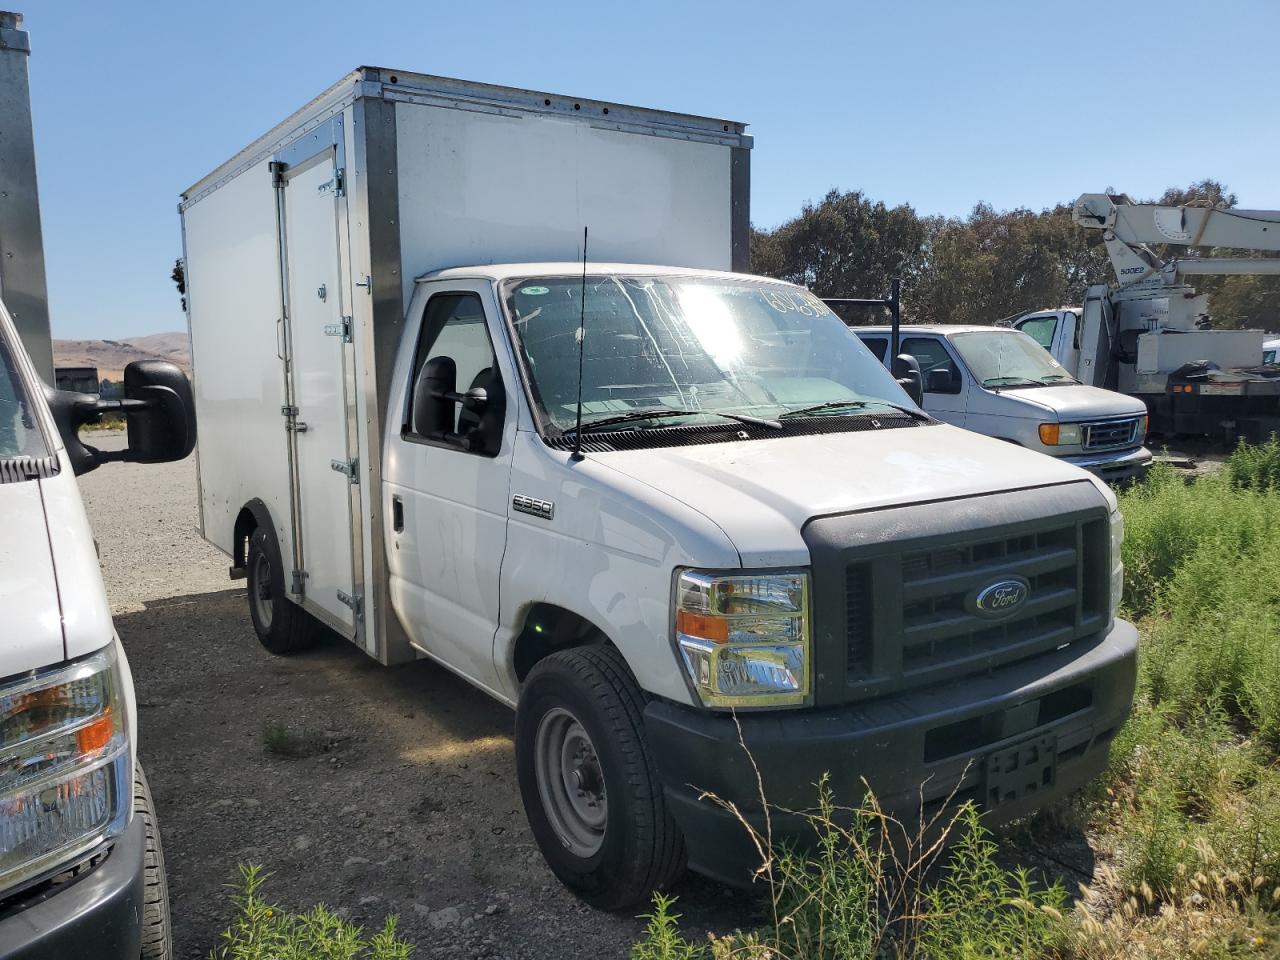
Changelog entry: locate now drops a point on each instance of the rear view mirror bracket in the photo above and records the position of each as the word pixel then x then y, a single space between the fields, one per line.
pixel 159 412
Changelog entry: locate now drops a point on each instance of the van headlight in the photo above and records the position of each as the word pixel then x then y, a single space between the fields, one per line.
pixel 1060 434
pixel 744 638
pixel 65 766
pixel 1117 563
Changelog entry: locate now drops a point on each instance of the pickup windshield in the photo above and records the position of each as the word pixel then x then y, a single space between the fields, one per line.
pixel 689 349
pixel 1009 359
pixel 19 435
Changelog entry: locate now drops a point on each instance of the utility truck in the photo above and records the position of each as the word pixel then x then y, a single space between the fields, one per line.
pixel 1151 335
pixel 653 504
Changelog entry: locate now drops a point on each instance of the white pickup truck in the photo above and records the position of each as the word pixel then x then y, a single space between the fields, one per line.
pixel 1001 383
pixel 81 868
pixel 649 507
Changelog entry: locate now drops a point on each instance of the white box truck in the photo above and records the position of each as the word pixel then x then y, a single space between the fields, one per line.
pixel 640 504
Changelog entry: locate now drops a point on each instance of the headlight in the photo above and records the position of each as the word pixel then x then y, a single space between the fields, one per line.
pixel 64 766
pixel 1059 434
pixel 1143 424
pixel 744 638
pixel 1117 564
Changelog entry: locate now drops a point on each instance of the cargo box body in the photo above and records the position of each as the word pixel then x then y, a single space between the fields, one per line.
pixel 302 250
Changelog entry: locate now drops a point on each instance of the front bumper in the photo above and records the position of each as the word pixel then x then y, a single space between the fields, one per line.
pixel 913 750
pixel 1117 466
pixel 97 915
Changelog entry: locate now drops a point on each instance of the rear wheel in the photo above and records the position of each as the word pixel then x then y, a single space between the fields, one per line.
pixel 282 626
pixel 157 930
pixel 590 790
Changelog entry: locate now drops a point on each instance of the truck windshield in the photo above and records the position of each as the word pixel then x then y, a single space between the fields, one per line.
pixel 1007 359
pixel 705 347
pixel 19 434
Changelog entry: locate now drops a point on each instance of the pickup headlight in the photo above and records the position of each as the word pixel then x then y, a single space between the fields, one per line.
pixel 65 766
pixel 1117 564
pixel 744 638
pixel 1059 434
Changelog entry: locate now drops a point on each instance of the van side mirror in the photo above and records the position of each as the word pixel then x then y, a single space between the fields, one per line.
pixel 906 370
pixel 432 413
pixel 940 380
pixel 159 412
pixel 483 408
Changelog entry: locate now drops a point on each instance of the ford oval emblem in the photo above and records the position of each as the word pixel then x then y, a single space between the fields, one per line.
pixel 1001 598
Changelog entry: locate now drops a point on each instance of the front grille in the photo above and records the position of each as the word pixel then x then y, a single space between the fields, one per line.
pixel 911 617
pixel 940 629
pixel 1109 433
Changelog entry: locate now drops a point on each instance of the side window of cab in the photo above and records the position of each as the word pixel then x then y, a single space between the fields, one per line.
pixel 938 370
pixel 457 398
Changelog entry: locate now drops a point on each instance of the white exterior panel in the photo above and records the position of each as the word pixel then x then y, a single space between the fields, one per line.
pixel 478 188
pixel 233 290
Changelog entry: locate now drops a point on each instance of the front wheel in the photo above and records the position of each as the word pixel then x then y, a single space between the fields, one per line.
pixel 588 782
pixel 157 929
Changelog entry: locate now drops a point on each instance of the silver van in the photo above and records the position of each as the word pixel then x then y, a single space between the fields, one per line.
pixel 1002 383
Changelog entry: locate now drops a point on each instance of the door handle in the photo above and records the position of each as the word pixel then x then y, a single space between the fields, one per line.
pixel 397 514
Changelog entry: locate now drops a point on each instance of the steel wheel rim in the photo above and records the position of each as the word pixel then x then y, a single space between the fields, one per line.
pixel 260 589
pixel 570 782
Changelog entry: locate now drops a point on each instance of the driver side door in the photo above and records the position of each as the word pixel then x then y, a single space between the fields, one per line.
pixel 448 498
pixel 945 388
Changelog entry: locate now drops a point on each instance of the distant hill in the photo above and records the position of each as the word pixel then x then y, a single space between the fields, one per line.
pixel 111 356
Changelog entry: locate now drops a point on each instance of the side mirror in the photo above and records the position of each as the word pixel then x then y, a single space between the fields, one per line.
pixel 158 408
pixel 432 412
pixel 906 370
pixel 940 380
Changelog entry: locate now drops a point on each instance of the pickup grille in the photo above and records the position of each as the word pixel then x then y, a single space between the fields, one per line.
pixel 1109 433
pixel 901 613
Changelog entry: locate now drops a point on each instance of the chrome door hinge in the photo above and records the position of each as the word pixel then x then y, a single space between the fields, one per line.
pixel 351 468
pixel 299 583
pixel 354 601
pixel 341 329
pixel 336 186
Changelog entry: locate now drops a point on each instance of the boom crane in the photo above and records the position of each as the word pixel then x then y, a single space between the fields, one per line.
pixel 1150 334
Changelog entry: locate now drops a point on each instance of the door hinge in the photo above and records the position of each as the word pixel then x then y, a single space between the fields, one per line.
pixel 351 468
pixel 298 586
pixel 341 329
pixel 277 173
pixel 354 601
pixel 337 185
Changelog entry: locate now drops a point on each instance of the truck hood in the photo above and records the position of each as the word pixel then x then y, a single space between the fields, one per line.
pixel 1075 401
pixel 31 635
pixel 762 492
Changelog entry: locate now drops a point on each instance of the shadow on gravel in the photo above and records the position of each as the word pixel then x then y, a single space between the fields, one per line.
pixel 375 790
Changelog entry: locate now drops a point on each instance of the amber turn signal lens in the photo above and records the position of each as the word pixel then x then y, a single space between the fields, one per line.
pixel 1049 434
pixel 715 629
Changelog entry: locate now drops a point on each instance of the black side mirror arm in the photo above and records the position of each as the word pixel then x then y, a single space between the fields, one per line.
pixel 906 370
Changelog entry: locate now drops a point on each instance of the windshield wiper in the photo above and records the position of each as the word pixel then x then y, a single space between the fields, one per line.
pixel 833 404
pixel 1058 378
pixel 664 412
pixel 1012 382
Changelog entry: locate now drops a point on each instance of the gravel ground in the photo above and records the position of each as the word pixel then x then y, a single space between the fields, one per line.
pixel 389 790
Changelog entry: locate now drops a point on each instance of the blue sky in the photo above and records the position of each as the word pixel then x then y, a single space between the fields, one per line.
pixel 939 105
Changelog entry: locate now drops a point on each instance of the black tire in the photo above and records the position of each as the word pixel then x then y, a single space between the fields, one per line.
pixel 282 626
pixel 157 931
pixel 641 849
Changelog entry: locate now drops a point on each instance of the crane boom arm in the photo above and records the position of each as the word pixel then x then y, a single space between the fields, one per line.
pixel 1190 226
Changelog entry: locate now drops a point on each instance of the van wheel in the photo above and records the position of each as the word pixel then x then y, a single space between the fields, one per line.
pixel 281 625
pixel 157 931
pixel 590 789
